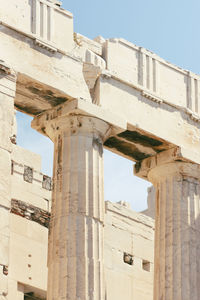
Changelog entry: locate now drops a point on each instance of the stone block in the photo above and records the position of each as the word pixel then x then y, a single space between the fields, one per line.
pixel 143 285
pixel 5 178
pixel 61 72
pixel 119 239
pixel 4 221
pixel 7 82
pixel 6 121
pixel 4 250
pixel 28 260
pixel 31 230
pixel 122 59
pixel 108 257
pixel 15 290
pixel 3 283
pixel 30 193
pixel 85 42
pixel 27 19
pixel 26 157
pixel 17 168
pixel 143 248
pixel 118 285
pixel 37 177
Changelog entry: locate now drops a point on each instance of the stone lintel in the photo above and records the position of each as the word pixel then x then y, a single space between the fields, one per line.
pixel 176 154
pixel 77 107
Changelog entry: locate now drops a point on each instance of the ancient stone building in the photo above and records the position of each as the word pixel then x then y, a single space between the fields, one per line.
pixel 87 95
pixel 128 241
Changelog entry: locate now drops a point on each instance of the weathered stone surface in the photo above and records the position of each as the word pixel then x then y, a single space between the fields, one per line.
pixel 7 93
pixel 177 226
pixel 28 174
pixel 47 183
pixel 78 209
pixel 24 157
pixel 5 180
pixel 28 253
pixel 84 94
pixel 6 116
pixel 127 232
pixel 30 212
pixel 40 21
pixel 37 193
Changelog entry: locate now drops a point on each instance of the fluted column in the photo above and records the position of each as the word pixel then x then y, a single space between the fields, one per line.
pixel 75 254
pixel 177 229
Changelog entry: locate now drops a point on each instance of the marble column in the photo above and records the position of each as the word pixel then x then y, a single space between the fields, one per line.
pixel 177 229
pixel 75 254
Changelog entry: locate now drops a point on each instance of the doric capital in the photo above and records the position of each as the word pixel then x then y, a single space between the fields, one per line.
pixel 77 115
pixel 176 169
pixel 79 125
pixel 69 125
pixel 169 163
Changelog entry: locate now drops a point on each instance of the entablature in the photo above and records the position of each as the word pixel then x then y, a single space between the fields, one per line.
pixel 157 102
pixel 41 20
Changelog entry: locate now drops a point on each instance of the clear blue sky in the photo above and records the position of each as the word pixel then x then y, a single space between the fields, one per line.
pixel 168 28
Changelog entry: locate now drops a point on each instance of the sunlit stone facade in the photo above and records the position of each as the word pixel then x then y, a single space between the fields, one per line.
pixel 87 95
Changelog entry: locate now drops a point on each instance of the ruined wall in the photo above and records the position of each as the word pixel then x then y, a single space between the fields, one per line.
pixel 29 219
pixel 128 238
pixel 129 254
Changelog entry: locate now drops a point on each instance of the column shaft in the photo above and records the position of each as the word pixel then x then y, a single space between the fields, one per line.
pixel 75 255
pixel 177 236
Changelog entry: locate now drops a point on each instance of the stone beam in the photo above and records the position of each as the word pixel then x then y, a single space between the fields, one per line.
pixel 165 124
pixel 158 101
pixel 177 246
pixel 78 107
pixel 45 57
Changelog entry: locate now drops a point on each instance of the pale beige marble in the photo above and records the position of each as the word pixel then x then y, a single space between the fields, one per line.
pixel 84 93
pixel 177 218
pixel 75 254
